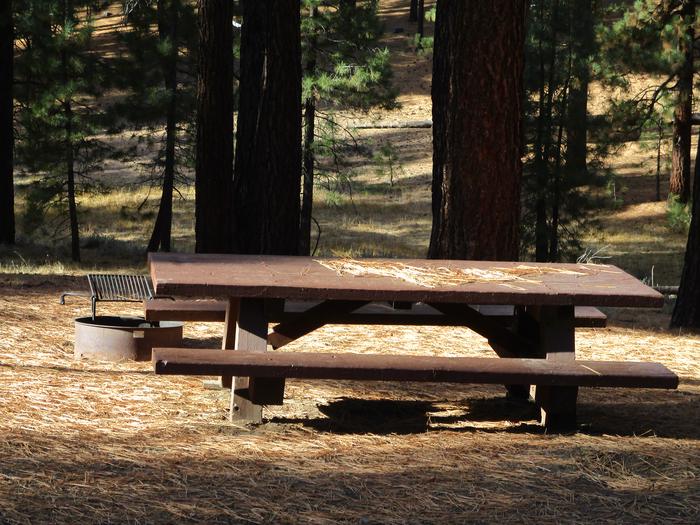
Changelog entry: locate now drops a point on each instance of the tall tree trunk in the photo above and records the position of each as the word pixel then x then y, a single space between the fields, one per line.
pixel 686 312
pixel 308 156
pixel 680 158
pixel 554 240
pixel 214 163
pixel 420 14
pixel 545 132
pixel 167 32
pixel 540 164
pixel 582 41
pixel 7 199
pixel 413 11
pixel 267 171
pixel 477 117
pixel 308 171
pixel 70 178
pixel 659 139
pixel 68 17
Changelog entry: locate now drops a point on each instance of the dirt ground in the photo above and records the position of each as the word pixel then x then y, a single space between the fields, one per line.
pixel 84 441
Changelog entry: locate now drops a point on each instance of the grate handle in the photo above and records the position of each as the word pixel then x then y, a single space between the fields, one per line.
pixel 62 299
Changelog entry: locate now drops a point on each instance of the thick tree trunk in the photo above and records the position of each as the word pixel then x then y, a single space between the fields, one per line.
pixel 686 313
pixel 7 199
pixel 680 158
pixel 214 164
pixel 167 32
pixel 582 39
pixel 267 170
pixel 413 11
pixel 477 114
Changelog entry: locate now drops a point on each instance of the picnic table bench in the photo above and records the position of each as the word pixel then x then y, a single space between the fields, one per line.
pixel 527 312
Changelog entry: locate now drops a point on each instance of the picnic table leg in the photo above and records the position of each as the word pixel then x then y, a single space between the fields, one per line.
pixel 556 342
pixel 249 394
pixel 525 327
pixel 229 340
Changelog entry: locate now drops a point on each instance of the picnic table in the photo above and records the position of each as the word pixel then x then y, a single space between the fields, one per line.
pixel 536 343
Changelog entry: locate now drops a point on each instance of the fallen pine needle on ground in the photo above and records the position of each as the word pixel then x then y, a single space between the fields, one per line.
pixel 96 442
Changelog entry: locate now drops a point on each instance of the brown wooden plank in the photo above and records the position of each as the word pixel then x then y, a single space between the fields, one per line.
pixel 312 319
pixel 228 341
pixel 370 314
pixel 304 278
pixel 499 336
pixel 556 343
pixel 184 310
pixel 377 367
pixel 251 335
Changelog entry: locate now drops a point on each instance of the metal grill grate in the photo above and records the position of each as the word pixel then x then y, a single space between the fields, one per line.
pixel 115 288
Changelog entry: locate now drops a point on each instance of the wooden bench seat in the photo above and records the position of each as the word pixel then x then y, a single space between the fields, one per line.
pixel 375 313
pixel 376 367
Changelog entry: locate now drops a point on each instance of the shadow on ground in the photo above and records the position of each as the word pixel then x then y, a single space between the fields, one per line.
pixel 658 414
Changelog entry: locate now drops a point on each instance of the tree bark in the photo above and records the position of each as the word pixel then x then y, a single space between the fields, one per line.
pixel 680 158
pixel 167 31
pixel 686 312
pixel 267 170
pixel 413 11
pixel 7 199
pixel 477 106
pixel 582 40
pixel 214 157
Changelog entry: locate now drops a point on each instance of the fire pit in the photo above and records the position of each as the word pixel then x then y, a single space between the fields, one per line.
pixel 114 338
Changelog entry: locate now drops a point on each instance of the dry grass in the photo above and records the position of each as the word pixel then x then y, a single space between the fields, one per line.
pixel 97 442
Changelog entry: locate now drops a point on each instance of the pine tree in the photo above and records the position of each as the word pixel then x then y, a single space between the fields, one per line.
pixel 267 169
pixel 477 80
pixel 158 73
pixel 655 38
pixel 556 171
pixel 344 67
pixel 214 159
pixel 7 201
pixel 680 157
pixel 60 80
pixel 583 47
pixel 686 312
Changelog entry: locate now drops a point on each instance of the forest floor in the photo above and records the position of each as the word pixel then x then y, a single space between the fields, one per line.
pixel 84 441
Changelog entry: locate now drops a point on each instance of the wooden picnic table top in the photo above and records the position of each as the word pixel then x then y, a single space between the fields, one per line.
pixel 415 280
